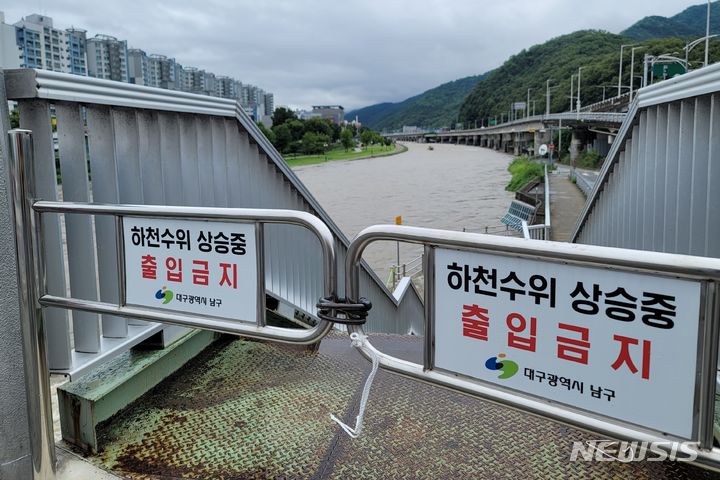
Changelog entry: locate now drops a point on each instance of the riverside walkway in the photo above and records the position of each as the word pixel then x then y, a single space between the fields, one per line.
pixel 566 203
pixel 245 409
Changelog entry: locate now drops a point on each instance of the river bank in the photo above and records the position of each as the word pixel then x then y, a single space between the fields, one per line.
pixel 372 151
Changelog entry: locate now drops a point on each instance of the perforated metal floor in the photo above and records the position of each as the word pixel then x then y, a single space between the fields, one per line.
pixel 253 410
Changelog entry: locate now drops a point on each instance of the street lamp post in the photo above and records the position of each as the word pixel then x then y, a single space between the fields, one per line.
pixel 620 68
pixel 578 88
pixel 707 35
pixel 632 69
pixel 527 105
pixel 547 96
pixel 572 97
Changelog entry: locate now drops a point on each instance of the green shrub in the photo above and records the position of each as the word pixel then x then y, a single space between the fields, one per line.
pixel 523 171
pixel 589 159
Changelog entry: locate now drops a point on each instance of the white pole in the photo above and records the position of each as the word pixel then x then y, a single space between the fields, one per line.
pixel 547 95
pixel 620 71
pixel 527 106
pixel 578 90
pixel 632 70
pixel 707 34
pixel 572 97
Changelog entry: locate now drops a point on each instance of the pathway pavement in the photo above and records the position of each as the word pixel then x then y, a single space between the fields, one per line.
pixel 566 203
pixel 245 409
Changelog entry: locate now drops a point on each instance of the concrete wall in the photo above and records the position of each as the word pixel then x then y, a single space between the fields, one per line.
pixel 14 440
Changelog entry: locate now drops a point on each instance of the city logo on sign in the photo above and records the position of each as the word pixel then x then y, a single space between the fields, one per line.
pixel 165 295
pixel 507 367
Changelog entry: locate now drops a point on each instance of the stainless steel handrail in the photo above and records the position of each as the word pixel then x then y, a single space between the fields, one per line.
pixel 33 288
pixel 259 216
pixel 697 268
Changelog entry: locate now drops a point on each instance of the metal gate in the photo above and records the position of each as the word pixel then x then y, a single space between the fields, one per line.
pixel 464 289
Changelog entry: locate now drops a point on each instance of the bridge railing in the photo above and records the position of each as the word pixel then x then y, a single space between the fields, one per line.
pixel 120 143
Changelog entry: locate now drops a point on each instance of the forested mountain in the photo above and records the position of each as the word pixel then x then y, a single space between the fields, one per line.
pixel 597 52
pixel 437 107
pixel 688 23
pixel 473 100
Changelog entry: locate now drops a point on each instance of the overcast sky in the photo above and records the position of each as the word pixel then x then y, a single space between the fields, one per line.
pixel 352 53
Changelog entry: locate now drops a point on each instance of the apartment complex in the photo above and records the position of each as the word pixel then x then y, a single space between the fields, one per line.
pixel 34 42
pixel 41 45
pixel 108 58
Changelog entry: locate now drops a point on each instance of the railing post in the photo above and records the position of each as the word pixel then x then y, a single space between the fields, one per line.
pixel 37 379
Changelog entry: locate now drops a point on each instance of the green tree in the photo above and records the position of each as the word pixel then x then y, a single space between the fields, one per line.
pixel 282 115
pixel 314 143
pixel 15 118
pixel 268 133
pixel 367 137
pixel 336 132
pixel 283 137
pixel 319 125
pixel 297 129
pixel 346 138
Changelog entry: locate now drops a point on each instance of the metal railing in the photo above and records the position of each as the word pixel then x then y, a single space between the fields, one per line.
pixel 583 184
pixel 705 271
pixel 540 231
pixel 27 215
pixel 160 147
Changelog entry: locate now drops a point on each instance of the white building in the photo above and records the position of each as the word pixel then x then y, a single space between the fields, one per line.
pixel 10 54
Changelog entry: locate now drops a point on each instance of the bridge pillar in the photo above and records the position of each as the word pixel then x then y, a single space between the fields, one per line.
pixel 575 147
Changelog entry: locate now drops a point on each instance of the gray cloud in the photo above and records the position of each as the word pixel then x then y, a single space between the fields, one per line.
pixel 350 53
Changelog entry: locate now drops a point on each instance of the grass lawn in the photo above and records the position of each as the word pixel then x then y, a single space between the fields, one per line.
pixel 341 154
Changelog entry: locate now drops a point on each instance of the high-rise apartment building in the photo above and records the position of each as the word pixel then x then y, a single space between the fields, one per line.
pixel 43 46
pixel 164 72
pixel 226 87
pixel 107 58
pixel 35 43
pixel 139 68
pixel 269 100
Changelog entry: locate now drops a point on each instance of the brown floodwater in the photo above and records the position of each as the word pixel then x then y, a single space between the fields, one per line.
pixel 452 187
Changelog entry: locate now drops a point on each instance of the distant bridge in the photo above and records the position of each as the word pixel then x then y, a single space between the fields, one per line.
pixel 595 130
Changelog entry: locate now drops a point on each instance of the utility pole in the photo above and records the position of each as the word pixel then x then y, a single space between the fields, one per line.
pixel 707 35
pixel 572 97
pixel 547 96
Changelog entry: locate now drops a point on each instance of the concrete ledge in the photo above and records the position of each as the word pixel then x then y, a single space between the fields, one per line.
pixel 97 396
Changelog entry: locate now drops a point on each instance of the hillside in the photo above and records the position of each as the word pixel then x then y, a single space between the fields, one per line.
pixel 559 58
pixel 690 23
pixel 436 107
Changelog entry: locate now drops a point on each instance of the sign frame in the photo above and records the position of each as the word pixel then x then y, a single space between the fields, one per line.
pixel 699 269
pixel 193 320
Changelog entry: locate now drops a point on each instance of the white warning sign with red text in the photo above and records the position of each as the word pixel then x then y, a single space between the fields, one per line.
pixel 200 267
pixel 619 344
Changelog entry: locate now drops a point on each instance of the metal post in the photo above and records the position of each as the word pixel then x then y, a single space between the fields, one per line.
pixel 646 59
pixel 578 89
pixel 547 97
pixel 37 378
pixel 707 35
pixel 572 97
pixel 527 105
pixel 632 69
